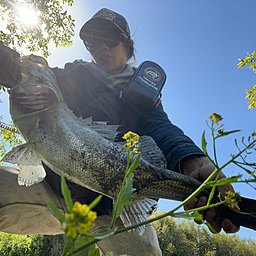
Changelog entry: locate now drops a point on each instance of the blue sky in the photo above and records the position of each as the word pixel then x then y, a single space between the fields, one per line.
pixel 197 43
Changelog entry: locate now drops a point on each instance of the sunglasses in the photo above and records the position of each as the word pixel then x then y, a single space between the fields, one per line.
pixel 93 41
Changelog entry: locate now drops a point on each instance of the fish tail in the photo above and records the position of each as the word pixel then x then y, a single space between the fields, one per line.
pixel 246 217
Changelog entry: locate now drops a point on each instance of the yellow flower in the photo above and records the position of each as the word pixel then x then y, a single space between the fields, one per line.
pixel 254 134
pixel 84 210
pixel 220 131
pixel 77 206
pixel 72 232
pixel 92 216
pixel 217 117
pixel 135 150
pixel 64 225
pixel 69 216
pixel 79 221
pixel 131 136
pixel 127 135
pixel 132 140
pixel 83 227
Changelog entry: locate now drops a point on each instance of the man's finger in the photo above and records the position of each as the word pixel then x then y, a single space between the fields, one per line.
pixel 210 218
pixel 229 227
pixel 196 203
pixel 191 204
pixel 9 69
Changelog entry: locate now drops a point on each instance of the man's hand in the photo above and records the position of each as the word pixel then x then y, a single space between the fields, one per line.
pixel 10 73
pixel 200 167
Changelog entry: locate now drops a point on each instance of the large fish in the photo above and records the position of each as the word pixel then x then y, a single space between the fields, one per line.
pixel 84 150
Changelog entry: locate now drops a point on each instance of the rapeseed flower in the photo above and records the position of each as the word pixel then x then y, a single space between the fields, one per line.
pixel 232 198
pixel 132 140
pixel 79 221
pixel 215 117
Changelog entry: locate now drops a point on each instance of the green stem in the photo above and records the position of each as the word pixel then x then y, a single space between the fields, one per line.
pixel 214 152
pixel 214 146
pixel 170 213
pixel 114 214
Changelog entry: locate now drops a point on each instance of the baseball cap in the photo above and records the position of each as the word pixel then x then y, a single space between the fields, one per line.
pixel 107 16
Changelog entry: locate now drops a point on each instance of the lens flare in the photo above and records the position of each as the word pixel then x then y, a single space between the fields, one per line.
pixel 28 16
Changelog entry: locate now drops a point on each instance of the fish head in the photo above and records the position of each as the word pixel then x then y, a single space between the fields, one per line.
pixel 38 89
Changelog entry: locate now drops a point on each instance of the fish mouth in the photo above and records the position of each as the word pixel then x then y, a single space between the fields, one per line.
pixel 30 99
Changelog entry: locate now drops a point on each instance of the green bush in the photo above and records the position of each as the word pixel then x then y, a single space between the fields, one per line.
pixel 31 245
pixel 182 237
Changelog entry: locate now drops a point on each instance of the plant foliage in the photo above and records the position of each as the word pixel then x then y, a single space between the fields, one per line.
pixel 249 61
pixel 31 245
pixel 54 24
pixel 9 137
pixel 184 238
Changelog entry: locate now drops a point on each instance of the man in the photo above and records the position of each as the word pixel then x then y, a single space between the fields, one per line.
pixel 95 89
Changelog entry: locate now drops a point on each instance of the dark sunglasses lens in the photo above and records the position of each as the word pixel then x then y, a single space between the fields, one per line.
pixel 93 42
pixel 112 40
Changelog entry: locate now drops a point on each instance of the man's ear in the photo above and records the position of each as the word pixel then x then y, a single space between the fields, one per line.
pixel 132 41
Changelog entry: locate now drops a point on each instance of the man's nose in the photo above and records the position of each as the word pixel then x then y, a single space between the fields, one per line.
pixel 103 46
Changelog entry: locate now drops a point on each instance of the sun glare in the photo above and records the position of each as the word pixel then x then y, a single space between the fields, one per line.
pixel 28 16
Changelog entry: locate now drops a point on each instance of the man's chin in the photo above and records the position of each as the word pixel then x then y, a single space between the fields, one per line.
pixel 108 68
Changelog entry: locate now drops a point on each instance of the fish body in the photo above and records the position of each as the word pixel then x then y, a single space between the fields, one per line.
pixel 84 150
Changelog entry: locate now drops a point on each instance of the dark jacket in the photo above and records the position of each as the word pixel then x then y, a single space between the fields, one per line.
pixel 87 94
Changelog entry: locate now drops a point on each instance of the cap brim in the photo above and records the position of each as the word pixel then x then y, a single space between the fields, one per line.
pixel 96 23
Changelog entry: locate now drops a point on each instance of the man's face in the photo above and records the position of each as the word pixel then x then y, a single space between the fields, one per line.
pixel 111 59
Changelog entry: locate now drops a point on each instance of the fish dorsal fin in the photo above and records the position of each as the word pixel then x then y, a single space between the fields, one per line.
pixel 137 212
pixel 23 154
pixel 86 120
pixel 151 152
pixel 107 131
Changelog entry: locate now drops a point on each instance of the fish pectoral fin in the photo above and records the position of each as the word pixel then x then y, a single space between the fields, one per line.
pixel 23 154
pixel 30 174
pixel 151 152
pixel 137 212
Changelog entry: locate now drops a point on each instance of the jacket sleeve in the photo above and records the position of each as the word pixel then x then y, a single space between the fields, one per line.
pixel 169 138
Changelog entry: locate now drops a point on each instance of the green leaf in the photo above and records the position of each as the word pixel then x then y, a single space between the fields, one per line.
pixel 123 198
pixel 225 181
pixel 69 247
pixel 55 212
pixel 134 164
pixel 189 215
pixel 106 234
pixel 66 193
pixel 226 133
pixel 204 143
pixel 95 202
pixel 88 251
pixel 127 193
pixel 212 192
pixel 211 228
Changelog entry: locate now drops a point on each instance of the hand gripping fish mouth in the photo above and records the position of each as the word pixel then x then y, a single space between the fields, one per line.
pixel 31 99
pixel 35 92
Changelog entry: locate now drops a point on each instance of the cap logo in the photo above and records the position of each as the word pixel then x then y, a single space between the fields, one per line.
pixel 153 74
pixel 109 15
